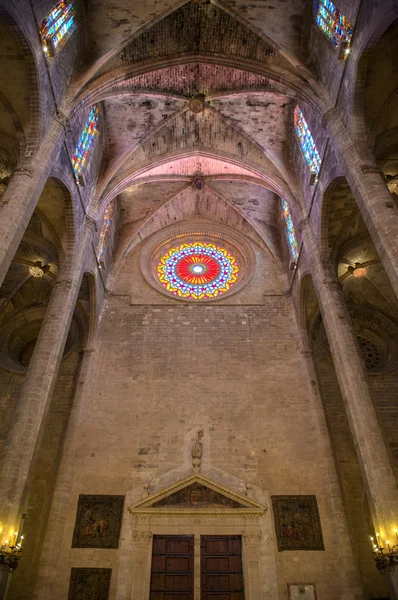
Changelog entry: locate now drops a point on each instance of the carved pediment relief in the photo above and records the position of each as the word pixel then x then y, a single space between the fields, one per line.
pixel 197 494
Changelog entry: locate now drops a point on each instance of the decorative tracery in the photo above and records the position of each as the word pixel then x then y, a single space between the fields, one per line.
pixel 81 153
pixel 198 271
pixel 108 216
pixel 334 24
pixel 290 232
pixel 56 26
pixel 307 143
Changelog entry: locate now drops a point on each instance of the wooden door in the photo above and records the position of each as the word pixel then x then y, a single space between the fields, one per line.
pixel 172 567
pixel 221 567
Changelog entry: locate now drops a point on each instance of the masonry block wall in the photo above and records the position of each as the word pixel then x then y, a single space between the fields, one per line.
pixel 235 371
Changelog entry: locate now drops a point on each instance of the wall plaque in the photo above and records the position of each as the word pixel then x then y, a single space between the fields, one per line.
pixel 301 591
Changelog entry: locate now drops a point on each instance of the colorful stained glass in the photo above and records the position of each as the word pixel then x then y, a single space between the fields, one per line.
pixel 104 232
pixel 290 233
pixel 307 143
pixel 198 271
pixel 55 26
pixel 81 153
pixel 333 24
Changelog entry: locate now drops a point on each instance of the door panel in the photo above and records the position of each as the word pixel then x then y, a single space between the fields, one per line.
pixel 172 568
pixel 221 568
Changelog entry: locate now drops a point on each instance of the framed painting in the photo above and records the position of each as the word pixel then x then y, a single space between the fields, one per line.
pixel 98 522
pixel 301 591
pixel 89 584
pixel 297 523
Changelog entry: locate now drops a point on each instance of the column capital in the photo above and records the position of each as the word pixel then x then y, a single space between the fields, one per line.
pixel 372 169
pixel 63 283
pixel 331 282
pixel 142 537
pixel 23 171
pixel 252 537
pixel 90 223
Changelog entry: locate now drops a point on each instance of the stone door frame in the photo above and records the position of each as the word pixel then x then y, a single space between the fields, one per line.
pixel 248 521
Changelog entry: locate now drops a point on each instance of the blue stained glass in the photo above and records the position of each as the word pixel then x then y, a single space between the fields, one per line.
pixel 307 143
pixel 81 153
pixel 290 232
pixel 333 23
pixel 56 25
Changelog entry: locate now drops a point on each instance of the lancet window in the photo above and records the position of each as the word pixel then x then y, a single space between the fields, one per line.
pixel 307 143
pixel 333 24
pixel 82 151
pixel 290 232
pixel 108 216
pixel 57 26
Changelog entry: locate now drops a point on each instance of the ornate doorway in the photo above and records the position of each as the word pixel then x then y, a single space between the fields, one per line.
pixel 231 560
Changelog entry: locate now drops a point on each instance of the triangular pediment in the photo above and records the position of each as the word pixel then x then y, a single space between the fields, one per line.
pixel 198 494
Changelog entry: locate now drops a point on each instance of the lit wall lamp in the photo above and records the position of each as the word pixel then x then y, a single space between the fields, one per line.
pixel 11 553
pixel 386 558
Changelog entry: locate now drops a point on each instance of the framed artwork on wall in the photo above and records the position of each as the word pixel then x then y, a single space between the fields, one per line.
pixel 297 523
pixel 89 583
pixel 98 522
pixel 301 591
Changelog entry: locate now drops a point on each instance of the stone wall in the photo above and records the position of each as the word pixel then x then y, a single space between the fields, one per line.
pixel 238 373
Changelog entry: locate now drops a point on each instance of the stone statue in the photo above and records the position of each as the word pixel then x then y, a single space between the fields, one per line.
pixel 197 450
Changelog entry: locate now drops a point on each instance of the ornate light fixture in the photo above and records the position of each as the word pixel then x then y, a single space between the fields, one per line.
pixel 386 559
pixel 10 555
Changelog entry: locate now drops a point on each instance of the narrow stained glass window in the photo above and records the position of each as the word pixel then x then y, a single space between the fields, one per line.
pixel 290 233
pixel 333 24
pixel 81 153
pixel 307 143
pixel 104 232
pixel 56 25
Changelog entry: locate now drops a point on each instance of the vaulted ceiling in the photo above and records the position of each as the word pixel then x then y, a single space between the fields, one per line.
pixel 197 89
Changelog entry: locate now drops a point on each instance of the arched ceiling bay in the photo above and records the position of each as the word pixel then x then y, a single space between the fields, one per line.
pixel 280 23
pixel 196 90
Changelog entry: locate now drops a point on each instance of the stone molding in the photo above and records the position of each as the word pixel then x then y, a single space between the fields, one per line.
pixel 250 521
pixel 248 506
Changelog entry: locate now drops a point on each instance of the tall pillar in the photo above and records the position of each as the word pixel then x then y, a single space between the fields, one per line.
pixel 372 454
pixel 49 584
pixel 19 200
pixel 34 400
pixel 374 199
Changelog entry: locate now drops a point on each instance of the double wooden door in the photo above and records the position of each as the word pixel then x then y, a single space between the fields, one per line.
pixel 172 575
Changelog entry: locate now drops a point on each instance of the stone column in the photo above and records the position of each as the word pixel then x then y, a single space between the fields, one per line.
pixel 49 584
pixel 141 564
pixel 34 400
pixel 372 454
pixel 252 559
pixel 373 197
pixel 22 194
